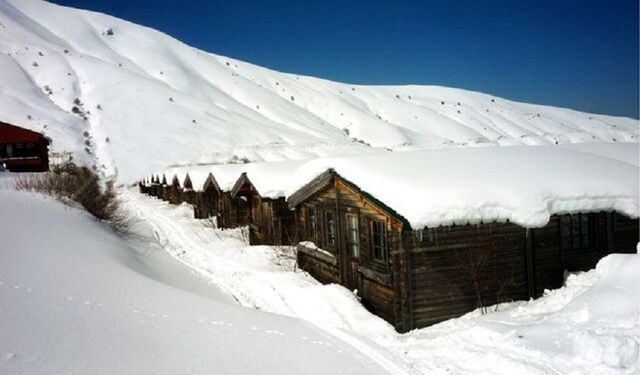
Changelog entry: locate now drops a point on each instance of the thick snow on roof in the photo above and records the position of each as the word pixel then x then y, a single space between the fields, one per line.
pixel 271 179
pixel 522 184
pixel 627 152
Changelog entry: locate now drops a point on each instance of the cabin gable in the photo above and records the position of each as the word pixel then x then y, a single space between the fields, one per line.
pixel 356 243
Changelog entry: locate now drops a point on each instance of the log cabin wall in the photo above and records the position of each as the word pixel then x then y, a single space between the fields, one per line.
pixel 547 268
pixel 284 223
pixel 273 223
pixel 359 247
pixel 455 269
pixel 175 194
pixel 586 238
pixel 206 203
pixel 227 211
pixel 625 232
pixel 189 196
pixel 164 195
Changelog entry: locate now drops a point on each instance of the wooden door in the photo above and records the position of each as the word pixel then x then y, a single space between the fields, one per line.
pixel 352 249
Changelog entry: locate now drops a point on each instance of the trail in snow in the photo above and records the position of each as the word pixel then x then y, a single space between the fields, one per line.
pixel 78 299
pixel 256 277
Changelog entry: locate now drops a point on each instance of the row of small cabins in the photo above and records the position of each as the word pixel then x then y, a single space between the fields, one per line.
pixel 417 272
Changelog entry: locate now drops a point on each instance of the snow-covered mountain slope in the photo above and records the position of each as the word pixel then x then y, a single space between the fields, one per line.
pixel 131 99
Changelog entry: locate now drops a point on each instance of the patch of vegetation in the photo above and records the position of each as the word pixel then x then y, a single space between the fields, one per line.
pixel 70 184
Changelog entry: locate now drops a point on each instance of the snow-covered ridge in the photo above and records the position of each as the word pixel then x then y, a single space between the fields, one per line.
pixel 132 100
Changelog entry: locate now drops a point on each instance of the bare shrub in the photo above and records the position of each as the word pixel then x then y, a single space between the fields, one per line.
pixel 70 183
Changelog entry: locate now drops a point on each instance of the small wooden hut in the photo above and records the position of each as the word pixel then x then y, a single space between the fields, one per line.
pixel 189 194
pixel 270 220
pixel 206 200
pixel 23 150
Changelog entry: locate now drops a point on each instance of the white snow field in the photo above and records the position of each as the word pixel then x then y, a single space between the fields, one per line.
pixel 75 298
pixel 590 326
pixel 132 100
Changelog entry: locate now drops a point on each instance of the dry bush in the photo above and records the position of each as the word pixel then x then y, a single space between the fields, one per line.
pixel 68 182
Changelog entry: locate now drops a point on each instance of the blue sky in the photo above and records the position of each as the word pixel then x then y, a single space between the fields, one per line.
pixel 577 54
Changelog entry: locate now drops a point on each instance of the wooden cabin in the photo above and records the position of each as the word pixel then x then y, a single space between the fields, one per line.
pixel 206 201
pixel 175 191
pixel 23 150
pixel 270 220
pixel 164 188
pixel 415 277
pixel 155 188
pixel 189 195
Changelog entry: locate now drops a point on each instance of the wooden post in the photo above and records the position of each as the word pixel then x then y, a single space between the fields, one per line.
pixel 531 286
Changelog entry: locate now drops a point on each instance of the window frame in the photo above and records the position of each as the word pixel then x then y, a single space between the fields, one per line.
pixel 330 229
pixel 379 241
pixel 312 223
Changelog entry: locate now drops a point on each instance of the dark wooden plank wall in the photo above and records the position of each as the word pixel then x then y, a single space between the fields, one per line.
pixel 548 265
pixel 175 194
pixel 322 268
pixel 457 268
pixel 626 233
pixel 274 224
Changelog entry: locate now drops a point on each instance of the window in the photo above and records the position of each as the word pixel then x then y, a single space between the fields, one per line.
pixel 379 241
pixel 353 235
pixel 575 231
pixel 312 223
pixel 330 228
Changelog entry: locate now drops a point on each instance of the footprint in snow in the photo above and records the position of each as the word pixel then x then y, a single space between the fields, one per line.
pixel 9 356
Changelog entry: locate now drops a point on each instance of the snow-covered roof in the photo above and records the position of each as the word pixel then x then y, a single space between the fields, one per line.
pixel 522 184
pixel 271 179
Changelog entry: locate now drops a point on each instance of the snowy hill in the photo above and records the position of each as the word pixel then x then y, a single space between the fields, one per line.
pixel 130 100
pixel 77 298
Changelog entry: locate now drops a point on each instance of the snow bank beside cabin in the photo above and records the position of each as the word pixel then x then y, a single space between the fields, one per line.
pixel 522 184
pixel 589 326
pixel 76 298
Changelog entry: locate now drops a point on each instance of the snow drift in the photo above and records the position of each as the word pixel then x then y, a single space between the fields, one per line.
pixel 78 299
